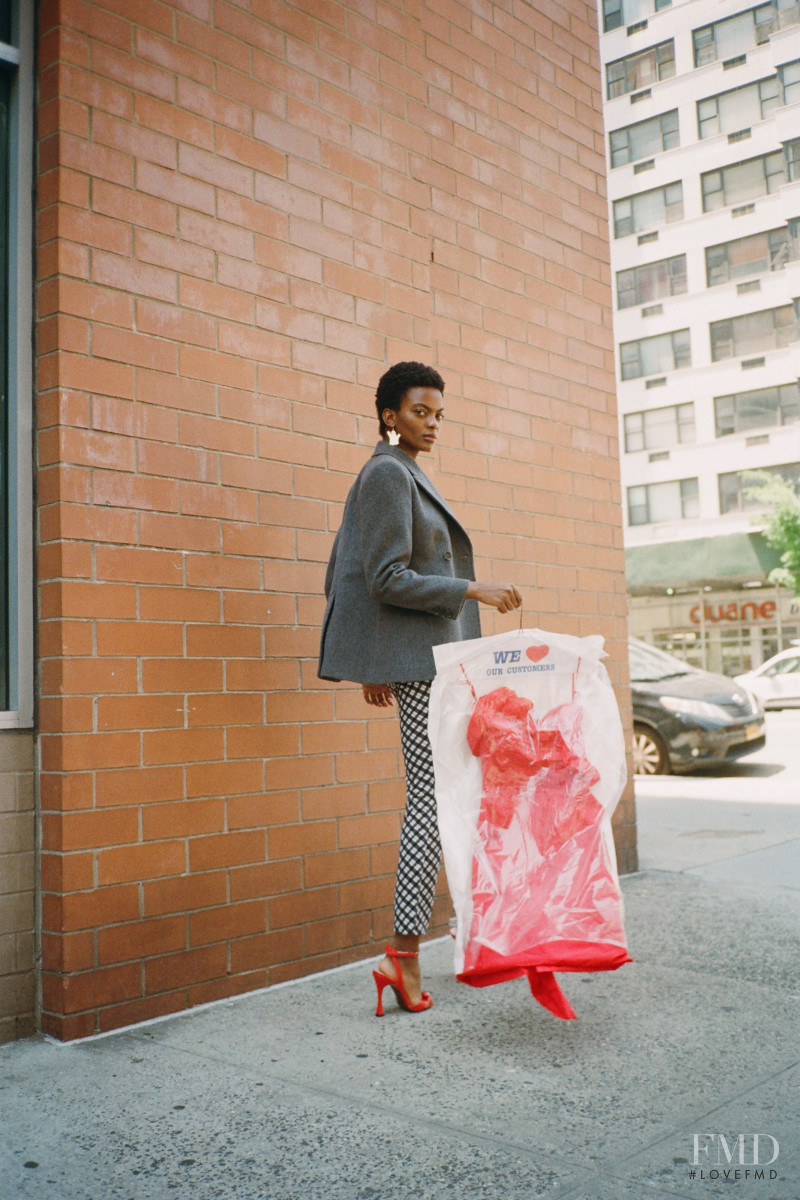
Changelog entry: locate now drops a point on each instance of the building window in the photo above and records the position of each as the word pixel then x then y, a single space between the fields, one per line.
pixel 655 355
pixel 644 139
pixel 745 180
pixel 5 498
pixel 759 409
pixel 640 70
pixel 770 329
pixel 792 153
pixel 734 485
pixel 789 76
pixel 16 385
pixel 628 12
pixel 643 285
pixel 652 502
pixel 659 427
pixel 736 35
pixel 738 108
pixel 648 210
pixel 754 255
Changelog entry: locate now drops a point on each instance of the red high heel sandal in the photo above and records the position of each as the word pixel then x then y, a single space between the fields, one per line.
pixel 397 985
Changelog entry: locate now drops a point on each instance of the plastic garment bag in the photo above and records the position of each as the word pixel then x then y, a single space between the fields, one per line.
pixel 529 760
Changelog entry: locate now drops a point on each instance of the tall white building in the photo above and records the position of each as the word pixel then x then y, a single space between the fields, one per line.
pixel 702 117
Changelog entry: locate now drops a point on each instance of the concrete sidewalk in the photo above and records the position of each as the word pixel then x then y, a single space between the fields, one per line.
pixel 300 1093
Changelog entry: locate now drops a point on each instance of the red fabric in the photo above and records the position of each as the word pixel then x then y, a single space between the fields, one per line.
pixel 544 895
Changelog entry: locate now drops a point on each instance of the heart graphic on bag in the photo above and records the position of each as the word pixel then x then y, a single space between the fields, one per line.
pixel 537 653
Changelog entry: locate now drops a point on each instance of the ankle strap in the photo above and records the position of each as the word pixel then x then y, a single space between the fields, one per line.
pixel 390 950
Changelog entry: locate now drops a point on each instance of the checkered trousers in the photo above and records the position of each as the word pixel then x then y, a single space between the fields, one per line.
pixel 420 847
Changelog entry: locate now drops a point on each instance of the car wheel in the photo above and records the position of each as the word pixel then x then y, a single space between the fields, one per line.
pixel 649 752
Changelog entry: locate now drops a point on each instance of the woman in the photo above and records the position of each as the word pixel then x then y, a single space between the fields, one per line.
pixel 401 580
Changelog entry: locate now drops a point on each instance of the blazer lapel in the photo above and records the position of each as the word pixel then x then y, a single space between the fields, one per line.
pixel 419 475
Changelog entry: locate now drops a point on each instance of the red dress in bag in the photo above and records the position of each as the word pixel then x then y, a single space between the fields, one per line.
pixel 542 885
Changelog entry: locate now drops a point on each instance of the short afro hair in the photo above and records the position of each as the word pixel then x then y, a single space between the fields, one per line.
pixel 398 380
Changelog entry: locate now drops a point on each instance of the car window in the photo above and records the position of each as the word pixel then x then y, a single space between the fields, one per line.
pixel 787 666
pixel 649 664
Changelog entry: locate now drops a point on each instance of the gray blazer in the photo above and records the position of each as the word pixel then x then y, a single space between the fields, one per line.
pixel 397 577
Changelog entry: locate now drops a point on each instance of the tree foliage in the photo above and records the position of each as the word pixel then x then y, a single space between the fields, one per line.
pixel 782 529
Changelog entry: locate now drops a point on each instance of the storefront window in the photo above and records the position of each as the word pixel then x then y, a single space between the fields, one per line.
pixel 773 643
pixel 16 383
pixel 5 497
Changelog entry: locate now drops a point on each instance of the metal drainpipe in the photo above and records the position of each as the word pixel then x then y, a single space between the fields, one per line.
pixel 703 628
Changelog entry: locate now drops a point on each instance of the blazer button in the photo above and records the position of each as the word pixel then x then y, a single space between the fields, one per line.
pixel 447 556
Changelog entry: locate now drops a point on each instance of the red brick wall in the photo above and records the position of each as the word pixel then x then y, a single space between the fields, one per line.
pixel 247 210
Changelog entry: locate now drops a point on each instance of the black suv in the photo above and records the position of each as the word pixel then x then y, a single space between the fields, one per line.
pixel 684 718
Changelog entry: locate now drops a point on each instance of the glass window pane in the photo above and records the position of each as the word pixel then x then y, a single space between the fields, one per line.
pixel 730 493
pixel 722 345
pixel 4 447
pixel 626 289
pixel 713 194
pixel 743 181
pixel 630 366
pixel 739 108
pixel 790 82
pixel 686 428
pixel 612 14
pixel 705 50
pixel 690 500
pixel 724 415
pixel 634 436
pixel 637 506
pixel 681 348
pixel 664 501
pixel 708 117
pixel 661 428
pixel 769 91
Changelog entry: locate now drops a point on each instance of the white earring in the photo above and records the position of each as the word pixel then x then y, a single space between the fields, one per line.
pixel 394 437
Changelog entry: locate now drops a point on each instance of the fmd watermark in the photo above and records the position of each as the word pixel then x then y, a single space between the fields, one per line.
pixel 734 1156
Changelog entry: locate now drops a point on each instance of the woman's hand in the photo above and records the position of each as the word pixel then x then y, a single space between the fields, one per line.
pixel 502 596
pixel 377 694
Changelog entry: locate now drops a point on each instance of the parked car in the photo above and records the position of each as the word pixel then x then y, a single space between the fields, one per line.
pixel 777 681
pixel 685 718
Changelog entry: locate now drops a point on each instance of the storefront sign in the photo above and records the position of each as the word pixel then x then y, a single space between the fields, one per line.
pixel 734 611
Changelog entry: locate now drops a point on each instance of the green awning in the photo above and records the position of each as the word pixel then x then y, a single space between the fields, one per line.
pixel 728 560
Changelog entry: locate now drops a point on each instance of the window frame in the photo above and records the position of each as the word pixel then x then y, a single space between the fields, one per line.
pixel 787 471
pixel 763 94
pixel 728 415
pixel 638 196
pixel 629 67
pixel 678 345
pixel 17 57
pixel 683 421
pixel 773 156
pixel 688 497
pixel 794 84
pixel 761 31
pixel 771 260
pixel 776 324
pixel 639 274
pixel 665 128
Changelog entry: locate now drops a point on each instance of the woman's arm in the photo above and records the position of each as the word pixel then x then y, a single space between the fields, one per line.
pixel 385 515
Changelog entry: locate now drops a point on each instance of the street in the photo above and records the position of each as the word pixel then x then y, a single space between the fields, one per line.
pixel 723 824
